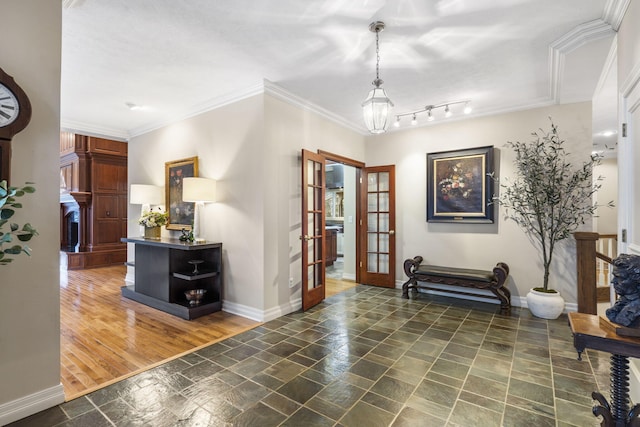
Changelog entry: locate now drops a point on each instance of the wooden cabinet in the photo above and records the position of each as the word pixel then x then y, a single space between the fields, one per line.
pixel 93 175
pixel 331 241
pixel 163 274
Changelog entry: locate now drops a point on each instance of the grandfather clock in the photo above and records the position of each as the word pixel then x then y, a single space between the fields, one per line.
pixel 15 114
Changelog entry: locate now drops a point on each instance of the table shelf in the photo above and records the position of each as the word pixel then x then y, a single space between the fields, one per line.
pixel 163 274
pixel 189 275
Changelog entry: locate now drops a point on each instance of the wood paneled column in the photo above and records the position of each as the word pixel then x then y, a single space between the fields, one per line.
pixel 586 264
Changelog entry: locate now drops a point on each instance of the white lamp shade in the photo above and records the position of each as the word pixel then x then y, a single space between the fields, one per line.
pixel 376 110
pixel 198 190
pixel 143 194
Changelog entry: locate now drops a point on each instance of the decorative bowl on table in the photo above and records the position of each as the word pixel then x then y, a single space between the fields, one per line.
pixel 194 296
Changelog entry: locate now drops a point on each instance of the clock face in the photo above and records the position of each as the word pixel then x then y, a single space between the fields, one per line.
pixel 9 106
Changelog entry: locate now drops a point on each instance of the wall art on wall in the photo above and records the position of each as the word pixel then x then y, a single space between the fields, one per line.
pixel 181 214
pixel 458 188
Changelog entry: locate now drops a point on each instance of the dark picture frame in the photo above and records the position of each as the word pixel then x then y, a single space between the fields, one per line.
pixel 181 213
pixel 458 188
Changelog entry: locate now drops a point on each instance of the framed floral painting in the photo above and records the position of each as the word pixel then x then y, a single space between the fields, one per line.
pixel 458 188
pixel 181 213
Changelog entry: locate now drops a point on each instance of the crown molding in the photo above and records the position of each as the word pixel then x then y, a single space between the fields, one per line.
pixel 607 68
pixel 93 130
pixel 284 95
pixel 580 35
pixel 208 105
pixel 614 11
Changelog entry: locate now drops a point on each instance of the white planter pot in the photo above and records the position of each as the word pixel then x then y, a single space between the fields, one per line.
pixel 544 304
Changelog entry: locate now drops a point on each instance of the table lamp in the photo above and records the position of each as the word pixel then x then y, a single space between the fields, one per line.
pixel 145 195
pixel 199 191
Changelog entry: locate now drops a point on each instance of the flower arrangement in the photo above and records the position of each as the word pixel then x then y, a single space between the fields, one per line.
pixel 459 181
pixel 153 219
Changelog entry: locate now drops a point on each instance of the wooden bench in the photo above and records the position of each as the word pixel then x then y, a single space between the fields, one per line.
pixel 478 279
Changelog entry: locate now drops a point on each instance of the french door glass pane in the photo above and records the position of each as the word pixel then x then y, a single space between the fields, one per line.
pixel 317 231
pixel 311 250
pixel 372 202
pixel 372 263
pixel 384 263
pixel 372 222
pixel 309 198
pixel 383 242
pixel 372 242
pixel 372 182
pixel 383 181
pixel 313 276
pixel 383 202
pixel 383 224
pixel 317 171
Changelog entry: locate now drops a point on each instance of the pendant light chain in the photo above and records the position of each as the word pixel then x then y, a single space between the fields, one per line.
pixel 377 59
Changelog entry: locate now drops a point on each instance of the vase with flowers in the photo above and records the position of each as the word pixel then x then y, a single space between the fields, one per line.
pixel 152 221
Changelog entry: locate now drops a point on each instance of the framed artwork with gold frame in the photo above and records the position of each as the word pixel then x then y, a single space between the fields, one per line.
pixel 181 213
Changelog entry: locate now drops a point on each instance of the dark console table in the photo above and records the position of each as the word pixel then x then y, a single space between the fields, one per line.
pixel 590 332
pixel 163 273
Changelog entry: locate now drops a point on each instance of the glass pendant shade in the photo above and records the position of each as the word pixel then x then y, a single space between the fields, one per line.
pixel 377 110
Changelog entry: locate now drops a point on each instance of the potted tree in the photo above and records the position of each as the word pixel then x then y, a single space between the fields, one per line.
pixel 549 198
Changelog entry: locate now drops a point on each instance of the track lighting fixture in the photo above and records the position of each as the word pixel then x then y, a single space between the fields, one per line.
pixel 429 109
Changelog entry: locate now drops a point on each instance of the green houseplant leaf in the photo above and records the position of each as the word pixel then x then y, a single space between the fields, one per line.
pixel 24 233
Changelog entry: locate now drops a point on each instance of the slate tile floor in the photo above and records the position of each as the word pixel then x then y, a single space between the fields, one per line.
pixel 365 357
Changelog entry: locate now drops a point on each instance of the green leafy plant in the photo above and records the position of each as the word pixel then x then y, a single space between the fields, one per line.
pixel 8 205
pixel 549 197
pixel 187 235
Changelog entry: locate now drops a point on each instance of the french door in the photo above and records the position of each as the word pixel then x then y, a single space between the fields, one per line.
pixel 313 226
pixel 378 240
pixel 375 233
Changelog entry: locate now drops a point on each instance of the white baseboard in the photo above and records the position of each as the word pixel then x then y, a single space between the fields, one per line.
pixel 31 404
pixel 261 315
pixel 130 278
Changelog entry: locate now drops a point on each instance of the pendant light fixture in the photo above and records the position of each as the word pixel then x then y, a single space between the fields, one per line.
pixel 377 107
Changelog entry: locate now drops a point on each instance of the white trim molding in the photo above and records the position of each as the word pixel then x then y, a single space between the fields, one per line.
pixel 614 11
pixel 284 95
pixel 203 107
pixel 261 315
pixel 31 404
pixel 580 35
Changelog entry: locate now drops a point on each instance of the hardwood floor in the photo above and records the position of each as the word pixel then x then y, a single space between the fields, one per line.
pixel 335 286
pixel 106 338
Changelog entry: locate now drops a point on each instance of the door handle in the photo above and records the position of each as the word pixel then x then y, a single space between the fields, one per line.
pixel 392 232
pixel 305 238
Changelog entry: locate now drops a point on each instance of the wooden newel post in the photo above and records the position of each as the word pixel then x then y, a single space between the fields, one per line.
pixel 586 264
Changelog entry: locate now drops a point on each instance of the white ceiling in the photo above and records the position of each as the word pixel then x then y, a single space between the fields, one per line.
pixel 178 58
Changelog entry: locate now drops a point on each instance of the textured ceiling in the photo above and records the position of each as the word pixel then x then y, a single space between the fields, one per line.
pixel 177 58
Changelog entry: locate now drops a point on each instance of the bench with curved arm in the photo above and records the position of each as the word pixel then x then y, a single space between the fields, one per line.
pixel 428 276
